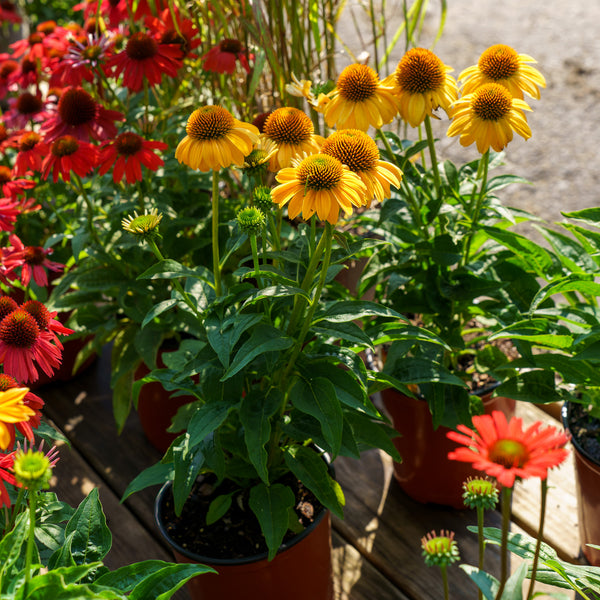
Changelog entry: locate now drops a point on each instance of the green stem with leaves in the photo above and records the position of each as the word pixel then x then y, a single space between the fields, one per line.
pixel 538 545
pixel 506 500
pixel 215 232
pixel 437 182
pixel 480 515
pixel 484 164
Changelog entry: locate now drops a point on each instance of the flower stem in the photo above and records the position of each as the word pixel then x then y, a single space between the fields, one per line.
pixel 480 513
pixel 434 163
pixel 485 160
pixel 538 544
pixel 30 539
pixel 215 232
pixel 443 569
pixel 506 499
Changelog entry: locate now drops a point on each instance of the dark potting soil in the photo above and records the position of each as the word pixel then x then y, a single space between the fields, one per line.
pixel 238 533
pixel 585 430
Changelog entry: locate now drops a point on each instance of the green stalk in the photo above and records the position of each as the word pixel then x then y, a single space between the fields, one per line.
pixel 485 160
pixel 215 232
pixel 255 261
pixel 90 207
pixel 176 284
pixel 538 544
pixel 506 498
pixel 434 163
pixel 480 513
pixel 443 569
pixel 30 539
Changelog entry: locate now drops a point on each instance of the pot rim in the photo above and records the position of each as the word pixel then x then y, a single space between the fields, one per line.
pixel 564 413
pixel 160 499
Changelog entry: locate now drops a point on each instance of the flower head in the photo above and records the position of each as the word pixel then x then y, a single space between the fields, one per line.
pixel 251 220
pixel 422 84
pixel 32 151
pixel 222 57
pixel 261 198
pixel 12 410
pixel 359 100
pixel 359 152
pixel 215 139
pixel 320 184
pixel 34 402
pixel 288 134
pixel 80 116
pixel 480 492
pixel 501 64
pixel 32 469
pixel 22 344
pixel 33 260
pixel 145 225
pixel 144 59
pixel 506 451
pixel 489 116
pixel 126 155
pixel 439 550
pixel 67 154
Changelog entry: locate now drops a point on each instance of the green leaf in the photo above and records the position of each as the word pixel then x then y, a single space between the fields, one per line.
pixel 162 584
pixel 312 471
pixel 11 545
pixel 352 310
pixel 92 539
pixel 158 309
pixel 513 590
pixel 264 339
pixel 271 505
pixel 581 283
pixel 530 386
pixel 223 334
pixel 187 462
pixel 155 475
pixel 218 507
pixel 375 434
pixel 275 291
pixel 62 556
pixel 591 215
pixel 317 397
pixel 484 581
pixel 209 418
pixel 256 411
pixel 170 269
pixel 348 331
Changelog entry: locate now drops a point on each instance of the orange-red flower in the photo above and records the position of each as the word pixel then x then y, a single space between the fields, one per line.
pixel 145 59
pixel 222 57
pixel 33 261
pixel 504 450
pixel 69 154
pixel 32 151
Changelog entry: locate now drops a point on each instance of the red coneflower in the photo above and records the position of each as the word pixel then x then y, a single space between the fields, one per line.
pixel 13 186
pixel 35 403
pixel 46 320
pixel 505 451
pixel 7 68
pixel 27 74
pixel 24 109
pixel 32 151
pixel 69 154
pixel 22 344
pixel 80 116
pixel 127 154
pixel 8 12
pixel 9 211
pixel 221 58
pixel 116 10
pixel 6 465
pixel 145 59
pixel 166 31
pixel 33 261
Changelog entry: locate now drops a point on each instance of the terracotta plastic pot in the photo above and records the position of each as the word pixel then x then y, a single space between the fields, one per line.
pixel 587 477
pixel 425 472
pixel 300 571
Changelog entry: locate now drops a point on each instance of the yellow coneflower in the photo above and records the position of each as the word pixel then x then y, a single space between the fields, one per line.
pixel 359 100
pixel 301 88
pixel 501 64
pixel 359 152
pixel 422 85
pixel 215 139
pixel 320 184
pixel 288 134
pixel 12 410
pixel 488 117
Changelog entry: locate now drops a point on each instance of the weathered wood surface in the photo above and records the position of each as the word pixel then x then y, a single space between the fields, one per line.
pixel 377 551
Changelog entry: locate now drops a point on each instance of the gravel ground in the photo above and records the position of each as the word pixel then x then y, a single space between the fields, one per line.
pixel 560 157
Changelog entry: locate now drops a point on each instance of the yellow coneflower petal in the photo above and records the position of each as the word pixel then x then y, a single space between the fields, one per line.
pixel 215 140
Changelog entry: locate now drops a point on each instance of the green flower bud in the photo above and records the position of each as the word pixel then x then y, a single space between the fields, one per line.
pixel 261 198
pixel 145 226
pixel 251 220
pixel 439 550
pixel 32 469
pixel 480 492
pixel 256 162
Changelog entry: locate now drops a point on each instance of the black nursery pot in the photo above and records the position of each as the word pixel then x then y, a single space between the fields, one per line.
pixel 300 570
pixel 587 477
